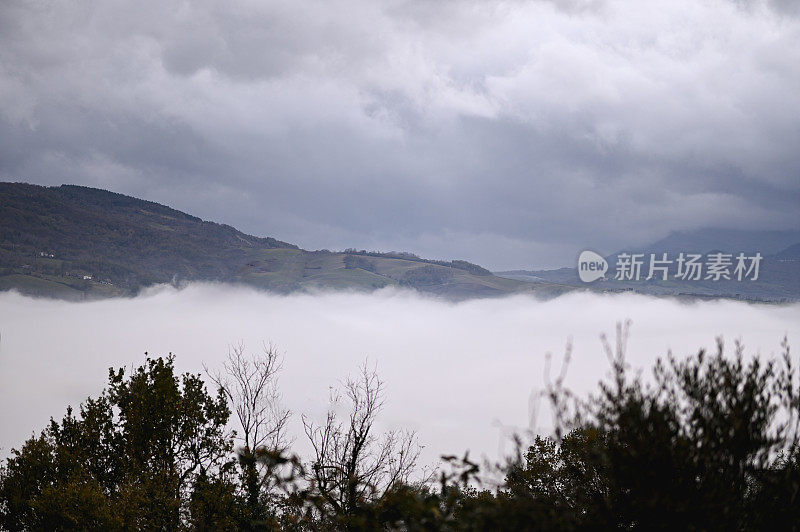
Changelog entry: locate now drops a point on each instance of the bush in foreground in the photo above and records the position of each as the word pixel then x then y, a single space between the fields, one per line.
pixel 710 443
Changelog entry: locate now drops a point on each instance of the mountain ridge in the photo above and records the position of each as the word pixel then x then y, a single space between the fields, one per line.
pixel 74 242
pixel 77 242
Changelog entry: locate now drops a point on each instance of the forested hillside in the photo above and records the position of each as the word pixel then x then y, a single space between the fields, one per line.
pixel 77 242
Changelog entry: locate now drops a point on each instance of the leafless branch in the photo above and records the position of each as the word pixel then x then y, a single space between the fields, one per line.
pixel 351 464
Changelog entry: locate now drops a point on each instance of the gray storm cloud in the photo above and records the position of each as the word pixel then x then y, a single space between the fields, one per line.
pixel 461 375
pixel 512 133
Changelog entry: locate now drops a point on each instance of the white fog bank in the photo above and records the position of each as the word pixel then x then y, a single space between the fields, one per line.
pixel 459 374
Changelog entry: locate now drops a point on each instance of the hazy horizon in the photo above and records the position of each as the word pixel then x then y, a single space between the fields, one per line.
pixel 460 374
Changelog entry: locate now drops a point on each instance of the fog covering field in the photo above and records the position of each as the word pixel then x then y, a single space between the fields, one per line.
pixel 464 376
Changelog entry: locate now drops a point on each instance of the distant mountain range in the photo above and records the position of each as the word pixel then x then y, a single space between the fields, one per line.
pixel 77 243
pixel 778 279
pixel 728 240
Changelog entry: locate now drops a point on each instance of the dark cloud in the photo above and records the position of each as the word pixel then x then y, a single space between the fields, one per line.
pixel 508 133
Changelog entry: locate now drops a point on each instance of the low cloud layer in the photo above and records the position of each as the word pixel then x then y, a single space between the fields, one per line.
pixel 509 133
pixel 461 375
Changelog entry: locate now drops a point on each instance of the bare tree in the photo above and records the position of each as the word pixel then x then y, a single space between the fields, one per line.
pixel 250 383
pixel 352 465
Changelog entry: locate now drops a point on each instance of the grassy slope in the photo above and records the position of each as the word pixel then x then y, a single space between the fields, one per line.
pixel 125 244
pixel 288 270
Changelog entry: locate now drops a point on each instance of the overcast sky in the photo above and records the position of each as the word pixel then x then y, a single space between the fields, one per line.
pixel 513 134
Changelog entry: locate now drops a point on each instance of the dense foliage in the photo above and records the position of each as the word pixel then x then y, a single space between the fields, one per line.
pixel 708 443
pixel 139 456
